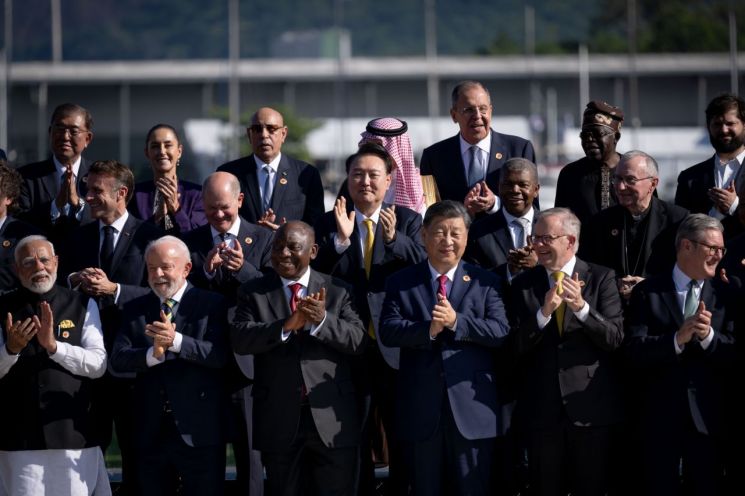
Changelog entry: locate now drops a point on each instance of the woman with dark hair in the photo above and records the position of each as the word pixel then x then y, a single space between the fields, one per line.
pixel 173 204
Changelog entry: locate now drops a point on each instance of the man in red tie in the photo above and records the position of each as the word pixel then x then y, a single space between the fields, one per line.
pixel 302 329
pixel 446 316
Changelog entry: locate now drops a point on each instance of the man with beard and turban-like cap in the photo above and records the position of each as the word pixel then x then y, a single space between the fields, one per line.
pixel 711 186
pixel 584 186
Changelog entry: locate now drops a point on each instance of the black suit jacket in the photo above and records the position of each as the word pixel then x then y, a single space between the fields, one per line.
pixel 321 362
pixel 571 373
pixel 694 184
pixel 603 240
pixel 39 189
pixel 444 161
pixel 671 385
pixel 192 380
pixel 297 194
pixel 256 243
pixel 11 232
pixel 387 259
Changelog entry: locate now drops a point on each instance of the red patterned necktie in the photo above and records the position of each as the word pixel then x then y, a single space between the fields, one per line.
pixel 295 288
pixel 442 290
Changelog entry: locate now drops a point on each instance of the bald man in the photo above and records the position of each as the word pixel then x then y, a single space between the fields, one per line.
pixel 277 187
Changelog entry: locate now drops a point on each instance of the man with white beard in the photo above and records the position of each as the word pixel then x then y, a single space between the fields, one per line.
pixel 51 348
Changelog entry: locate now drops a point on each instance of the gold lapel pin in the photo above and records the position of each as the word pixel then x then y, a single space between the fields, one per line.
pixel 498 156
pixel 66 334
pixel 248 240
pixel 466 278
pixel 282 181
pixel 6 244
pixel 614 232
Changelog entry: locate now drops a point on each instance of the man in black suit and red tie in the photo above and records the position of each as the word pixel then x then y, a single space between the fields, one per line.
pixel 466 166
pixel 302 329
pixel 277 187
pixel 681 347
pixel 566 317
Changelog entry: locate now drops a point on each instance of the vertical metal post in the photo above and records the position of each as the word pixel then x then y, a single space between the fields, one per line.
pixel 234 89
pixel 124 123
pixel 56 31
pixel 42 131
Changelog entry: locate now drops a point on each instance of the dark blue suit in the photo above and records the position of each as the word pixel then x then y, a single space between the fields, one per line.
pixel 189 216
pixel 297 193
pixel 189 383
pixel 446 388
pixel 443 160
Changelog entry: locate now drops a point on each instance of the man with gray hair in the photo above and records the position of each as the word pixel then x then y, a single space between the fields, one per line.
pixel 174 339
pixel 680 343
pixel 566 317
pixel 51 348
pixel 635 237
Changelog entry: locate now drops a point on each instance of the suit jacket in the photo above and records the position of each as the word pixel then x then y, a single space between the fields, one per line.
pixel 128 267
pixel 694 184
pixel 189 216
pixel 297 194
pixel 39 189
pixel 444 161
pixel 11 232
pixel 321 362
pixel 695 381
pixel 489 242
pixel 191 380
pixel 572 373
pixel 457 363
pixel 604 239
pixel 256 243
pixel 578 188
pixel 387 258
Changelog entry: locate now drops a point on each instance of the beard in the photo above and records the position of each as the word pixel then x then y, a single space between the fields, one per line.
pixel 722 146
pixel 40 287
pixel 164 288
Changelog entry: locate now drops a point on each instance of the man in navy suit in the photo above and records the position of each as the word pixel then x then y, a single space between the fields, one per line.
pixel 681 346
pixel 711 186
pixel 52 191
pixel 174 338
pixel 446 316
pixel 277 187
pixel 106 260
pixel 466 166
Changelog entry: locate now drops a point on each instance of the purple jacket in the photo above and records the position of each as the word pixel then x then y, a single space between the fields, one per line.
pixel 190 215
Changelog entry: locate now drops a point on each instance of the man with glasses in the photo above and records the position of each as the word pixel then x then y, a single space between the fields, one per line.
pixel 680 343
pixel 567 321
pixel 636 237
pixel 53 191
pixel 584 186
pixel 277 187
pixel 466 166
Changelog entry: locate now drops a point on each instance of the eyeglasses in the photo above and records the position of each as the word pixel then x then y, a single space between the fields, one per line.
pixel 546 239
pixel 258 128
pixel 62 130
pixel 471 111
pixel 596 134
pixel 712 249
pixel 628 180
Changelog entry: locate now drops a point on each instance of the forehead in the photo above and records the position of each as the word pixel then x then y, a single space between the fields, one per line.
pixel 729 117
pixel 367 162
pixel 163 253
pixel 292 236
pixel 473 95
pixel 71 119
pixel 267 117
pixel 162 134
pixel 516 176
pixel 548 225
pixel 218 194
pixel 712 237
pixel 452 223
pixel 632 165
pixel 36 248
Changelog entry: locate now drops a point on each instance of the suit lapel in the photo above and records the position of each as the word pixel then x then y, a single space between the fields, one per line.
pixel 50 180
pixel 277 301
pixel 281 181
pixel 252 186
pixel 245 237
pixel 657 219
pixel 670 298
pixel 501 234
pixel 583 272
pixel 454 168
pixel 82 179
pixel 426 289
pixel 122 245
pixel 461 283
pixel 497 153
pixel 186 308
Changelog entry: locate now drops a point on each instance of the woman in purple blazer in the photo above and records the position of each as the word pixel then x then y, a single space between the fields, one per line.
pixel 172 204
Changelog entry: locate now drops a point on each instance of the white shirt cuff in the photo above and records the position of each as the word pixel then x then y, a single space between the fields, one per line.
pixel 541 319
pixel 497 204
pixel 583 312
pixel 678 349
pixel 116 293
pixel 734 205
pixel 708 339
pixel 151 360
pixel 314 329
pixel 285 335
pixel 177 340
pixel 339 246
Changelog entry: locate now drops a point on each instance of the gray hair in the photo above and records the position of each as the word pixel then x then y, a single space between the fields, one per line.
pixel 179 245
pixel 466 85
pixel 27 240
pixel 519 164
pixel 448 209
pixel 693 227
pixel 650 163
pixel 569 222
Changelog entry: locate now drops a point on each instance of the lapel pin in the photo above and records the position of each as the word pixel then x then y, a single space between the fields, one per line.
pixel 248 240
pixel 6 244
pixel 66 334
pixel 614 232
pixel 498 156
pixel 466 278
pixel 282 181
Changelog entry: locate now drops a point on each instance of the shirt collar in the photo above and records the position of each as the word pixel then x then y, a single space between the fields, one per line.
pixel 718 163
pixel 528 216
pixel 304 279
pixel 681 280
pixel 567 269
pixel 118 224
pixel 450 274
pixel 234 229
pixel 178 295
pixel 484 144
pixel 61 168
pixel 274 164
pixel 360 217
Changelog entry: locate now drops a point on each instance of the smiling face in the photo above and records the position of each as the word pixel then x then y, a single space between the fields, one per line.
pixel 107 200
pixel 445 240
pixel 167 269
pixel 37 266
pixel 727 133
pixel 292 250
pixel 221 203
pixel 554 254
pixel 163 150
pixel 634 197
pixel 697 259
pixel 517 190
pixel 69 136
pixel 472 111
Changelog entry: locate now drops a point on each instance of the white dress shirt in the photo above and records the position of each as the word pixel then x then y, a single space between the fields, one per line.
pixel 681 289
pixel 568 271
pixel 304 280
pixel 725 174
pixel 177 338
pixel 484 150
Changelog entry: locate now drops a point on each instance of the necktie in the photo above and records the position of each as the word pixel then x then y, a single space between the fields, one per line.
pixel 295 297
pixel 520 231
pixel 107 249
pixel 604 187
pixel 167 308
pixel 442 289
pixel 268 185
pixel 691 302
pixel 369 245
pixel 475 169
pixel 558 276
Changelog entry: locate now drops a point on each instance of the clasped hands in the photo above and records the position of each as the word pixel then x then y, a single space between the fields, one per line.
pixel 698 324
pixel 19 333
pixel 68 192
pixel 443 317
pixel 723 198
pixel 221 255
pixel 479 199
pixel 93 282
pixel 163 332
pixel 310 310
pixel 168 189
pixel 569 291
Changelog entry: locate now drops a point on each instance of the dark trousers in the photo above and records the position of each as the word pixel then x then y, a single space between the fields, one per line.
pixel 568 458
pixel 167 465
pixel 248 467
pixel 447 463
pixel 308 466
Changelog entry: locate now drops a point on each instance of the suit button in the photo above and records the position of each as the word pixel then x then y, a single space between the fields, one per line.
pixel 201 395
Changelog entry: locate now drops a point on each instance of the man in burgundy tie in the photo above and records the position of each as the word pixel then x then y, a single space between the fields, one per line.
pixel 446 316
pixel 302 329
